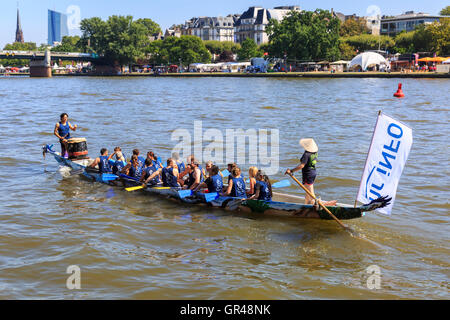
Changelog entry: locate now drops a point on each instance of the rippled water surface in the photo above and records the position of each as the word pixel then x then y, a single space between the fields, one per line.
pixel 136 246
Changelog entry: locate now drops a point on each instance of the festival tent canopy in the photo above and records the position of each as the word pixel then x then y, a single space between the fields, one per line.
pixel 2 67
pixel 446 61
pixel 340 62
pixel 367 59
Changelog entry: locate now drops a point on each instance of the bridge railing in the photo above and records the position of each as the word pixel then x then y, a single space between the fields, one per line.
pixel 42 53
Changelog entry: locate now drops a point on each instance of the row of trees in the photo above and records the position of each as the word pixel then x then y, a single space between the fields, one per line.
pixel 300 36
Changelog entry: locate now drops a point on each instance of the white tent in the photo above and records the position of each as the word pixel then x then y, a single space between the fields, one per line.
pixel 367 59
pixel 2 67
pixel 446 61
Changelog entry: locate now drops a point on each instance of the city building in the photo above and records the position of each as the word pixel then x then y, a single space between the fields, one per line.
pixel 57 27
pixel 407 21
pixel 173 31
pixel 253 22
pixel 19 33
pixel 372 22
pixel 211 28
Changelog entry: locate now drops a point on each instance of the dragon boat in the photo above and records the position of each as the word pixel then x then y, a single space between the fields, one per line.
pixel 215 200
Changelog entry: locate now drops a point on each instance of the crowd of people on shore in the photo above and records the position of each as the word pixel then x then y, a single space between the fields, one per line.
pixel 176 174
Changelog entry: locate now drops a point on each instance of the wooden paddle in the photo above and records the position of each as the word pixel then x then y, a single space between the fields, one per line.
pixel 144 186
pixel 320 203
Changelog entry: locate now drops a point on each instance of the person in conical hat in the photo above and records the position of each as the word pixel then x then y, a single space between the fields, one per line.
pixel 308 166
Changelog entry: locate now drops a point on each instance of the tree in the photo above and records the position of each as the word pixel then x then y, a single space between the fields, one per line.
pixel 173 50
pixel 151 26
pixel 366 42
pixel 404 42
pixel 445 11
pixel 305 35
pixel 119 39
pixel 347 51
pixel 353 27
pixel 249 49
pixel 18 46
pixel 69 44
pixel 440 35
pixel 226 56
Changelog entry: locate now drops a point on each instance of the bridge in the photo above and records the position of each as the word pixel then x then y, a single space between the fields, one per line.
pixel 40 62
pixel 39 55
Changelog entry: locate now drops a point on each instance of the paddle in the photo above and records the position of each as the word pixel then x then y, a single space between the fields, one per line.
pixel 145 186
pixel 320 203
pixel 225 173
pixel 281 184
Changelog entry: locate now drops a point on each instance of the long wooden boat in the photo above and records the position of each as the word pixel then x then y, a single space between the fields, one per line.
pixel 275 208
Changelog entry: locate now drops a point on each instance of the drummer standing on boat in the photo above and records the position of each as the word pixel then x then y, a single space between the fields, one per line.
pixel 62 131
pixel 308 166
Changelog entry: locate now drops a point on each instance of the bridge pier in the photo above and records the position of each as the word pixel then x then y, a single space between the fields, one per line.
pixel 41 68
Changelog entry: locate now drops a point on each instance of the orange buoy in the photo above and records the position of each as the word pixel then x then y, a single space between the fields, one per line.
pixel 399 93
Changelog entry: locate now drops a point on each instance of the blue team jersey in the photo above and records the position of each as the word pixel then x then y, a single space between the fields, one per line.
pixel 238 189
pixel 215 183
pixel 169 180
pixel 148 171
pixel 264 191
pixel 103 165
pixel 64 130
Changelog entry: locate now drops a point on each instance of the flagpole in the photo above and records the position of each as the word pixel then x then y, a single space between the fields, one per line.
pixel 368 152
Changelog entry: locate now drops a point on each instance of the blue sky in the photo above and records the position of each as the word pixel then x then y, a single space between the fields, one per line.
pixel 33 13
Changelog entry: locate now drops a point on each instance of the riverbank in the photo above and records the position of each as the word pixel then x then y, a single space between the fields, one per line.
pixel 420 75
pixel 285 75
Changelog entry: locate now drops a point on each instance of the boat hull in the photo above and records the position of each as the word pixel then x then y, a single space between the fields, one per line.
pixel 270 208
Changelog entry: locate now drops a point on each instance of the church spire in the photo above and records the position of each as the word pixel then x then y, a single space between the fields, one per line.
pixel 19 33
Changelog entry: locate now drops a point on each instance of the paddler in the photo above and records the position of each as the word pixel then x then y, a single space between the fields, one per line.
pixel 149 169
pixel 102 161
pixel 120 162
pixel 308 166
pixel 195 176
pixel 169 174
pixel 214 181
pixel 236 184
pixel 133 169
pixel 263 188
pixel 154 159
pixel 180 164
pixel 62 131
pixel 141 160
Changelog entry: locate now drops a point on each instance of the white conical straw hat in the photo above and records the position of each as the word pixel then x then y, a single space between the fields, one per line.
pixel 309 144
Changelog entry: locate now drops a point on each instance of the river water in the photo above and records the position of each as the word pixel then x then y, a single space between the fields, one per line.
pixel 135 246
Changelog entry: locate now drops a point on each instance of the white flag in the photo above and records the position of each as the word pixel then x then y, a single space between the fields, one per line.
pixel 387 156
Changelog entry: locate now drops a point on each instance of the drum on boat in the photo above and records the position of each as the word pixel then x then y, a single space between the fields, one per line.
pixel 77 148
